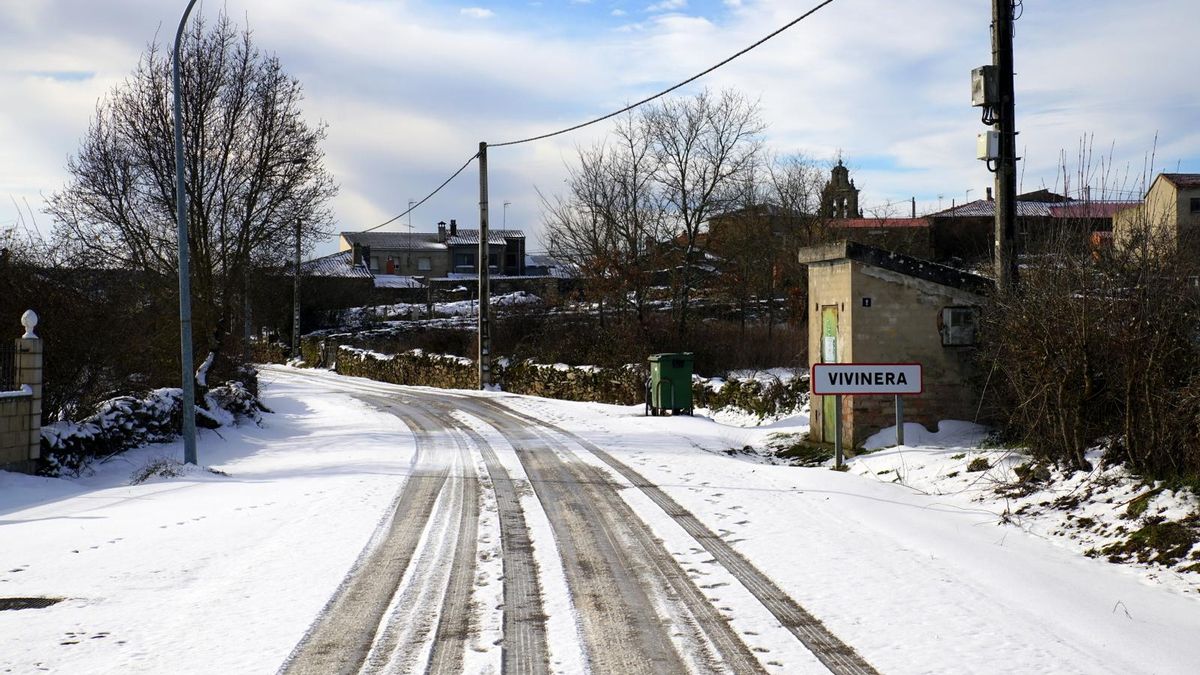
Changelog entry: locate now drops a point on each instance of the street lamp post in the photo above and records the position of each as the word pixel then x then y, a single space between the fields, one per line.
pixel 296 298
pixel 185 299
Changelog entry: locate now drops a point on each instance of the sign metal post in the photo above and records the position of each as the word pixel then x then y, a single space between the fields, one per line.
pixel 837 432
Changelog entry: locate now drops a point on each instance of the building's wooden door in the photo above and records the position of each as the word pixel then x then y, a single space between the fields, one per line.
pixel 829 354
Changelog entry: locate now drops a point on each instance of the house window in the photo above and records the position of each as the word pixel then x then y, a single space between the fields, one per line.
pixel 1195 205
pixel 464 262
pixel 957 326
pixel 374 263
pixel 424 264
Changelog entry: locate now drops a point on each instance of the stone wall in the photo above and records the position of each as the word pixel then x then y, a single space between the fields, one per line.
pixel 412 368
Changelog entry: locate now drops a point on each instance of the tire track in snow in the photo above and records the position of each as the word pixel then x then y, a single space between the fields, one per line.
pixel 524 650
pixel 609 554
pixel 429 617
pixel 827 647
pixel 342 636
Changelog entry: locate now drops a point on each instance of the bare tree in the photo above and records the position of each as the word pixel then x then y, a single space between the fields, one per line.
pixel 609 226
pixel 254 169
pixel 705 148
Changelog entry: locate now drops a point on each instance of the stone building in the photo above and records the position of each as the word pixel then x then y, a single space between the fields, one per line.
pixel 869 305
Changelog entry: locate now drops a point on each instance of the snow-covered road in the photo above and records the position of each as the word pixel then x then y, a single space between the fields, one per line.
pixel 400 529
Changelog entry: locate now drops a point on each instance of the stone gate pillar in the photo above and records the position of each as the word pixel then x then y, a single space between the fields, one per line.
pixel 29 373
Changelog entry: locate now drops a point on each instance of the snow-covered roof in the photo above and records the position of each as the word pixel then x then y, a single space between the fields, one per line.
pixel 396 281
pixel 402 241
pixel 336 265
pixel 427 241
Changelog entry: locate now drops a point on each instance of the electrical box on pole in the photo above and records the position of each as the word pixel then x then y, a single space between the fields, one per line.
pixel 985 87
pixel 988 145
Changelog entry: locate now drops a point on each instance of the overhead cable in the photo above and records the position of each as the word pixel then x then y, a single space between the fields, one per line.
pixel 670 89
pixel 426 198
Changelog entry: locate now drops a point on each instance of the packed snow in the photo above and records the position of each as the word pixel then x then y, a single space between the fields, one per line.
pixel 224 572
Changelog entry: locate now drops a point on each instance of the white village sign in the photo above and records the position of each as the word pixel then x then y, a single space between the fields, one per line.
pixel 851 379
pixel 865 379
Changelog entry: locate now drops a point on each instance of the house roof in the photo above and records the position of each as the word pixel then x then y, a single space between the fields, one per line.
pixel 465 237
pixel 1089 209
pixel 1184 180
pixel 982 208
pixel 336 265
pixel 897 262
pixel 403 241
pixel 879 223
pixel 427 241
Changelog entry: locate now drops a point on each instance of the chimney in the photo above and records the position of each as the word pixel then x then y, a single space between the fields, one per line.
pixel 442 231
pixel 366 257
pixel 453 227
pixel 989 194
pixel 355 254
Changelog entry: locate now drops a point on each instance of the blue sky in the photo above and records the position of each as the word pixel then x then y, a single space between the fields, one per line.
pixel 409 89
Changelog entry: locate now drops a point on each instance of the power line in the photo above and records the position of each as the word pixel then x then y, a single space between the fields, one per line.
pixel 670 89
pixel 428 196
pixel 608 116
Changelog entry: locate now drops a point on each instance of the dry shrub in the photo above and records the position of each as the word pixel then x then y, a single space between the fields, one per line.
pixel 1093 347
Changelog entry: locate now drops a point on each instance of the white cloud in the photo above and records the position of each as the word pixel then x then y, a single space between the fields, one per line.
pixel 409 89
pixel 618 12
pixel 667 6
pixel 477 12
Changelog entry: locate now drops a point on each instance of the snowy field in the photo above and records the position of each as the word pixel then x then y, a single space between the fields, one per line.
pixel 919 570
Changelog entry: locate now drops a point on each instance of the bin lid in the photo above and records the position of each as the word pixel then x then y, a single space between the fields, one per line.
pixel 668 356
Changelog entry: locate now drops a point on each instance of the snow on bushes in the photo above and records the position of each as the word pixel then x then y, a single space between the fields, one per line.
pixel 125 422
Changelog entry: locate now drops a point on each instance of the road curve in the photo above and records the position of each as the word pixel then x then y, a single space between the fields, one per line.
pixel 638 610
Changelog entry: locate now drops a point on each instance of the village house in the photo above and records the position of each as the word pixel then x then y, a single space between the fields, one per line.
pixel 1168 216
pixel 450 250
pixel 870 305
pixel 965 233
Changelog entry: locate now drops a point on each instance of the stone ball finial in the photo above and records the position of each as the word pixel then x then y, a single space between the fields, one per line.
pixel 29 320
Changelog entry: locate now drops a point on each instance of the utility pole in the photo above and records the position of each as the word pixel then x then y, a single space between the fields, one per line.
pixel 485 328
pixel 1006 163
pixel 296 298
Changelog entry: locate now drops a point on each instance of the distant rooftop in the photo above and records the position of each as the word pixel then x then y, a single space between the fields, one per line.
pixel 896 262
pixel 427 241
pixel 983 208
pixel 881 223
pixel 405 241
pixel 336 265
pixel 1184 180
